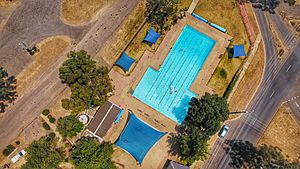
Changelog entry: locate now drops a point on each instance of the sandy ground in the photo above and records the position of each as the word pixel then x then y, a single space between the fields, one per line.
pixel 8 3
pixel 50 50
pixel 78 12
pixel 283 132
pixel 249 82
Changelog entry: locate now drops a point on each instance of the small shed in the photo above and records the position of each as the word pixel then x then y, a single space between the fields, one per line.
pixel 238 51
pixel 152 36
pixel 103 119
pixel 175 165
pixel 125 62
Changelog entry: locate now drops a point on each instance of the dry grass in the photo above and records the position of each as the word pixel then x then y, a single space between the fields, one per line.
pixel 8 3
pixel 249 83
pixel 284 133
pixel 113 48
pixel 227 15
pixel 50 49
pixel 81 11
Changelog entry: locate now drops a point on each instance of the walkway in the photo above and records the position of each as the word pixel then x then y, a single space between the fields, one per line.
pixel 246 21
pixel 193 6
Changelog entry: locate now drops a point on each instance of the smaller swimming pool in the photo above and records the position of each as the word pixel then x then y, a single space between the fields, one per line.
pixel 168 89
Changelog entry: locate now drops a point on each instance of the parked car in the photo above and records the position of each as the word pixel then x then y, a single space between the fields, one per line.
pixel 223 131
pixel 18 156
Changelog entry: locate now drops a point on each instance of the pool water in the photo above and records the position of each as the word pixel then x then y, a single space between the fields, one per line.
pixel 168 89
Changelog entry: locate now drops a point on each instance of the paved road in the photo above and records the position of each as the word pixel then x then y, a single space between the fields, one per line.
pixel 48 86
pixel 293 100
pixel 278 79
pixel 32 22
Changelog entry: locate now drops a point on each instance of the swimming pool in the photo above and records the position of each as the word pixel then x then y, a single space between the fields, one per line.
pixel 168 89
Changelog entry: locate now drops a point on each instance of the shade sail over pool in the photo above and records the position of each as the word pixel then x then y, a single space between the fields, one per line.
pixel 238 50
pixel 138 137
pixel 152 36
pixel 125 62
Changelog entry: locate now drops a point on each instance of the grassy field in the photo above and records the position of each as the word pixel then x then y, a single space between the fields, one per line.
pixel 249 83
pixel 283 132
pixel 81 11
pixel 50 49
pixel 7 3
pixel 227 15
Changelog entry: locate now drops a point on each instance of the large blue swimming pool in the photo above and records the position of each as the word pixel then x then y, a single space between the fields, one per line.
pixel 168 89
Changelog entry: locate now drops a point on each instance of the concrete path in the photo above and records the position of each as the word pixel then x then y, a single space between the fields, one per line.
pixel 193 6
pixel 48 87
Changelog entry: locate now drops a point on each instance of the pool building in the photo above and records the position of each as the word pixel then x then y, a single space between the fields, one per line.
pixel 167 90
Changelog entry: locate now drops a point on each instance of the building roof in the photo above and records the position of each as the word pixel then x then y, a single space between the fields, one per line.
pixel 138 137
pixel 103 119
pixel 238 50
pixel 152 36
pixel 125 62
pixel 174 165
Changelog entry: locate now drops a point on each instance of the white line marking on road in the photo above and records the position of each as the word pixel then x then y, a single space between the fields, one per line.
pixel 288 68
pixel 272 94
pixel 297 105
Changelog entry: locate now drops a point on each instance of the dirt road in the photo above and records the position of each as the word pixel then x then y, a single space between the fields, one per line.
pixel 48 87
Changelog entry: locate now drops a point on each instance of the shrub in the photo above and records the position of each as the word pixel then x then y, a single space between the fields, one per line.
pixel 9 149
pixel 46 126
pixel 52 120
pixel 46 112
pixel 223 73
pixel 18 142
pixel 52 135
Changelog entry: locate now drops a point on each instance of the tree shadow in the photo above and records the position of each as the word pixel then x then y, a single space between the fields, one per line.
pixel 173 141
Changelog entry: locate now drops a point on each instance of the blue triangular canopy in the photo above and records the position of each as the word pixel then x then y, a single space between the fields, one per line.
pixel 238 50
pixel 125 61
pixel 152 36
pixel 138 137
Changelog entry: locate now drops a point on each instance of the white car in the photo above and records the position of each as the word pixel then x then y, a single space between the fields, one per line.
pixel 223 131
pixel 18 156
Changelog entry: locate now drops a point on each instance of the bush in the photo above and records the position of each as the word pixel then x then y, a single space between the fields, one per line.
pixel 52 120
pixel 46 126
pixel 223 73
pixel 18 142
pixel 46 112
pixel 52 135
pixel 8 150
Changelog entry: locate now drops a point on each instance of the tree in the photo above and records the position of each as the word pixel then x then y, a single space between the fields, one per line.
pixel 203 120
pixel 69 126
pixel 245 155
pixel 89 85
pixel 43 154
pixel 206 114
pixel 161 12
pixel 89 153
pixel 7 89
pixel 265 5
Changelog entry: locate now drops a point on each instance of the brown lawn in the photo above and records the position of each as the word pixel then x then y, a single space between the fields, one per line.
pixel 227 15
pixel 283 132
pixel 49 50
pixel 81 11
pixel 249 83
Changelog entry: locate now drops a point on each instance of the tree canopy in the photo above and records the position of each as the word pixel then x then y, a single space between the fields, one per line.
pixel 245 155
pixel 89 153
pixel 69 126
pixel 203 120
pixel 161 13
pixel 7 89
pixel 43 154
pixel 89 85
